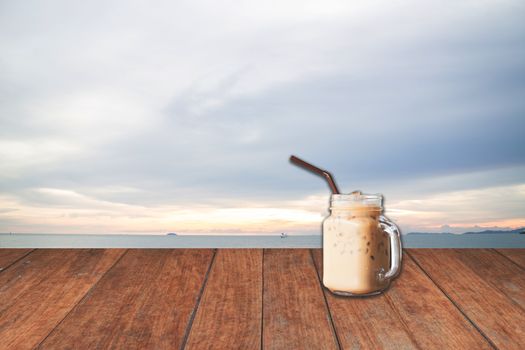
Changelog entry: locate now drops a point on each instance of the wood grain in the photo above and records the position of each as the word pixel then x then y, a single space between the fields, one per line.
pixel 433 320
pixel 38 291
pixel 495 269
pixel 295 315
pixel 495 314
pixel 230 312
pixel 516 255
pixel 366 323
pixel 92 298
pixel 9 256
pixel 144 302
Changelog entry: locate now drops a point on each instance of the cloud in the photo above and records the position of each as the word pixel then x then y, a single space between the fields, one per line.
pixel 487 207
pixel 192 104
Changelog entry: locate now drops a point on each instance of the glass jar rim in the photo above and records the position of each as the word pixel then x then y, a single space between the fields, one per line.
pixel 356 200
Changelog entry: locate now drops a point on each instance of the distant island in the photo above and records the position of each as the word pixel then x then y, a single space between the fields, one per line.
pixel 491 232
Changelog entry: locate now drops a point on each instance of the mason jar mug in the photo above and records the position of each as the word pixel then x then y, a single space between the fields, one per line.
pixel 361 247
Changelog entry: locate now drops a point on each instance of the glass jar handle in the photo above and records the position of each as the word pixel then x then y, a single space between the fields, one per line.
pixel 395 247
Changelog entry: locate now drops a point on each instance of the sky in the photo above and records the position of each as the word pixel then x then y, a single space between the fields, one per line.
pixel 180 116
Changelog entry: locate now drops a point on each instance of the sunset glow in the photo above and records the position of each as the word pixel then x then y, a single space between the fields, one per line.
pixel 76 213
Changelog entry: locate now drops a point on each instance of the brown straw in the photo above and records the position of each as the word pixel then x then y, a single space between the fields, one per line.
pixel 318 171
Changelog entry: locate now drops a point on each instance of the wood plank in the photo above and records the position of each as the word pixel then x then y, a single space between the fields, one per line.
pixel 495 269
pixel 516 255
pixel 229 315
pixel 295 315
pixel 38 291
pixel 9 256
pixel 144 302
pixel 432 318
pixel 365 323
pixel 494 313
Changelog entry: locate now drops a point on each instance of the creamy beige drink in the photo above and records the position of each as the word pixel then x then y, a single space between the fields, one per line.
pixel 356 249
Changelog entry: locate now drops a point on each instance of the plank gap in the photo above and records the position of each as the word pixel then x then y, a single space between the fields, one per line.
pixel 453 302
pixel 81 299
pixel 361 322
pixel 9 264
pixel 145 301
pixel 509 258
pixel 41 289
pixel 229 314
pixel 408 331
pixel 326 301
pixel 197 303
pixel 295 315
pixel 262 299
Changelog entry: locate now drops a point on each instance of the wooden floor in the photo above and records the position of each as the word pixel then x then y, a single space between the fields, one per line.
pixel 254 298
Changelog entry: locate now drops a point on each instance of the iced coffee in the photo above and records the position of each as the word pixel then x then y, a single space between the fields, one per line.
pixel 357 246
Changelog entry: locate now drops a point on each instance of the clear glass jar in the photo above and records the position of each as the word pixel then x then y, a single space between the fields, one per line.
pixel 361 247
